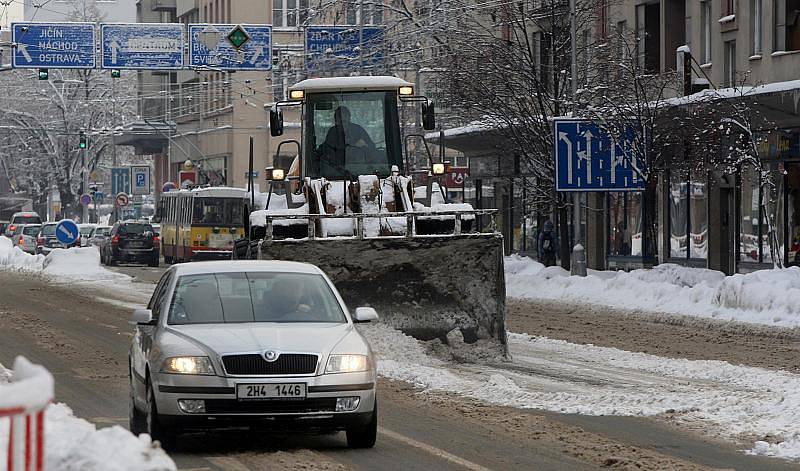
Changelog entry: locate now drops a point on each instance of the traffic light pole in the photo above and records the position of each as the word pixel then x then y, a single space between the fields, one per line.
pixel 85 177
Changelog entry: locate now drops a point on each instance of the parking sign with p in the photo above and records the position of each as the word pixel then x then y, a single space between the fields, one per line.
pixel 140 180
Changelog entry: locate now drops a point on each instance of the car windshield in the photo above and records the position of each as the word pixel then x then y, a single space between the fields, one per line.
pixel 85 231
pixel 31 230
pixel 102 231
pixel 227 211
pixel 27 220
pixel 49 230
pixel 254 297
pixel 134 228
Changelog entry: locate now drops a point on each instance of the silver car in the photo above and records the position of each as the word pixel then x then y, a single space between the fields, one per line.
pixel 24 237
pixel 266 344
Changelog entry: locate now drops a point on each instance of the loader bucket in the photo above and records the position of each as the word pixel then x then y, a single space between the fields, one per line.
pixel 424 286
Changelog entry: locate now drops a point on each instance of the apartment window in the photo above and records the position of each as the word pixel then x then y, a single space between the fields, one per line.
pixel 756 17
pixel 787 25
pixel 705 32
pixel 622 47
pixel 289 13
pixel 730 63
pixel 373 13
pixel 542 42
pixel 730 7
pixel 648 37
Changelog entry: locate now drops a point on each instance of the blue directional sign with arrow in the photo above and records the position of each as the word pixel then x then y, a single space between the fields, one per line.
pixel 214 46
pixel 142 46
pixel 53 45
pixel 589 158
pixel 340 46
pixel 67 232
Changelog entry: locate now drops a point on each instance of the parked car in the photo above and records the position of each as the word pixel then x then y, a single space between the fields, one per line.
pixel 262 343
pixel 86 232
pixel 25 217
pixel 98 235
pixel 47 241
pixel 24 237
pixel 131 241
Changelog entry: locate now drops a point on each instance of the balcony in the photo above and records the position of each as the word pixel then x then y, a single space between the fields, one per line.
pixel 164 5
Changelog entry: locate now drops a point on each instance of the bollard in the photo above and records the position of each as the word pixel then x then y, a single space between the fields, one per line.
pixel 578 265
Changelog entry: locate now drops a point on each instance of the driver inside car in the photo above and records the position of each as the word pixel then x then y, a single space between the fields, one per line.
pixel 343 137
pixel 285 301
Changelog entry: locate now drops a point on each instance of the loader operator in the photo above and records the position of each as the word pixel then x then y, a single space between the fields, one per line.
pixel 342 139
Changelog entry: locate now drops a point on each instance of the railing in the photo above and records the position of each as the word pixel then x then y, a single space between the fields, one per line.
pixel 411 219
pixel 24 401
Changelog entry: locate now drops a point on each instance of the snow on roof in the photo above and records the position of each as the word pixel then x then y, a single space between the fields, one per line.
pixel 469 128
pixel 736 92
pixel 342 84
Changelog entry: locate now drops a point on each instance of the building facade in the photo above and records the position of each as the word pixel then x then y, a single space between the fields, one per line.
pixel 110 11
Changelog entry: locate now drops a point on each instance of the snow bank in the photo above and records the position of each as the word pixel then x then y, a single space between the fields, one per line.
pixel 79 263
pixel 727 400
pixel 74 443
pixel 770 297
pixel 13 258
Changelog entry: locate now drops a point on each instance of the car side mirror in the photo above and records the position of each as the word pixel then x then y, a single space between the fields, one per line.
pixel 142 316
pixel 275 122
pixel 428 116
pixel 365 314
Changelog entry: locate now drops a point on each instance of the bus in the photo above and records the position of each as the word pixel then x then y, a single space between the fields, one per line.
pixel 202 223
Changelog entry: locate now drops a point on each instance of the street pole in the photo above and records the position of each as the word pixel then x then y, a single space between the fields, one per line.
pixel 578 252
pixel 85 185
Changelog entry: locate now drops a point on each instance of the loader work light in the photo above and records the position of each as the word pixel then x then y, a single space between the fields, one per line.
pixel 438 169
pixel 297 94
pixel 406 90
pixel 275 174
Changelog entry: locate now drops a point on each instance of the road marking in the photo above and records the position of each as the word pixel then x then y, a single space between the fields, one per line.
pixel 227 463
pixel 432 450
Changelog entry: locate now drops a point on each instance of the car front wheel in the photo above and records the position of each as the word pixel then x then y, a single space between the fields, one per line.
pixel 364 436
pixel 137 418
pixel 154 427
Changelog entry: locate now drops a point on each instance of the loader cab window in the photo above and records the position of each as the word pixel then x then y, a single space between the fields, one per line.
pixel 351 134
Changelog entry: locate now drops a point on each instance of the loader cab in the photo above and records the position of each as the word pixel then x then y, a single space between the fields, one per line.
pixel 350 126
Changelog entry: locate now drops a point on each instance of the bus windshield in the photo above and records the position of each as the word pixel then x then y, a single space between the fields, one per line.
pixel 355 133
pixel 218 211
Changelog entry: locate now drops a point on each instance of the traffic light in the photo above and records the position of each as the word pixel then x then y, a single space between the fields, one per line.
pixel 115 73
pixel 82 141
pixel 43 74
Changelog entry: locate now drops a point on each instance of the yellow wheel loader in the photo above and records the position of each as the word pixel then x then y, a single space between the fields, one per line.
pixel 384 233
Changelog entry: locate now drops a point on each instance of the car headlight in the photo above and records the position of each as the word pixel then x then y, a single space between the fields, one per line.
pixel 188 366
pixel 347 363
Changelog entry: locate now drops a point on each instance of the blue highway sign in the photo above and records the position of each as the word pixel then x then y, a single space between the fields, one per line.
pixel 209 46
pixel 141 180
pixel 341 46
pixel 53 45
pixel 120 180
pixel 67 231
pixel 587 158
pixel 142 46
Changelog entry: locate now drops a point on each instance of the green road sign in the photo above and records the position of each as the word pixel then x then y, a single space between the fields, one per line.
pixel 238 37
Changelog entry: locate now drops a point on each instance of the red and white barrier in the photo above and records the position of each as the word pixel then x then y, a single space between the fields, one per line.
pixel 24 401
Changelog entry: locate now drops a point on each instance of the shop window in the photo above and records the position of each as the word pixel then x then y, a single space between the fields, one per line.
pixel 788 219
pixel 750 210
pixel 625 224
pixel 688 216
pixel 787 25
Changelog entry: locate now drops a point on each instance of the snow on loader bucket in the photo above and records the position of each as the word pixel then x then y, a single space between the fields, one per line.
pixel 425 286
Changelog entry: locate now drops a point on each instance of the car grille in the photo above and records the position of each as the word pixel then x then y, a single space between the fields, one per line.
pixel 232 406
pixel 255 364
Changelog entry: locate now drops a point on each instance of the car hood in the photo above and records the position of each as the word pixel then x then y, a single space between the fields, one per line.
pixel 318 338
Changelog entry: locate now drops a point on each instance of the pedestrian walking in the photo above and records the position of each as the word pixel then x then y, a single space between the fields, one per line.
pixel 548 245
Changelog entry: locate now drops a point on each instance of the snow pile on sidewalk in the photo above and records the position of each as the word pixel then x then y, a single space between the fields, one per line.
pixel 75 264
pixel 14 258
pixel 740 403
pixel 79 263
pixel 770 297
pixel 74 443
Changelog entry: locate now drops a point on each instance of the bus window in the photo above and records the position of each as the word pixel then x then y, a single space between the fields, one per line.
pixel 228 211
